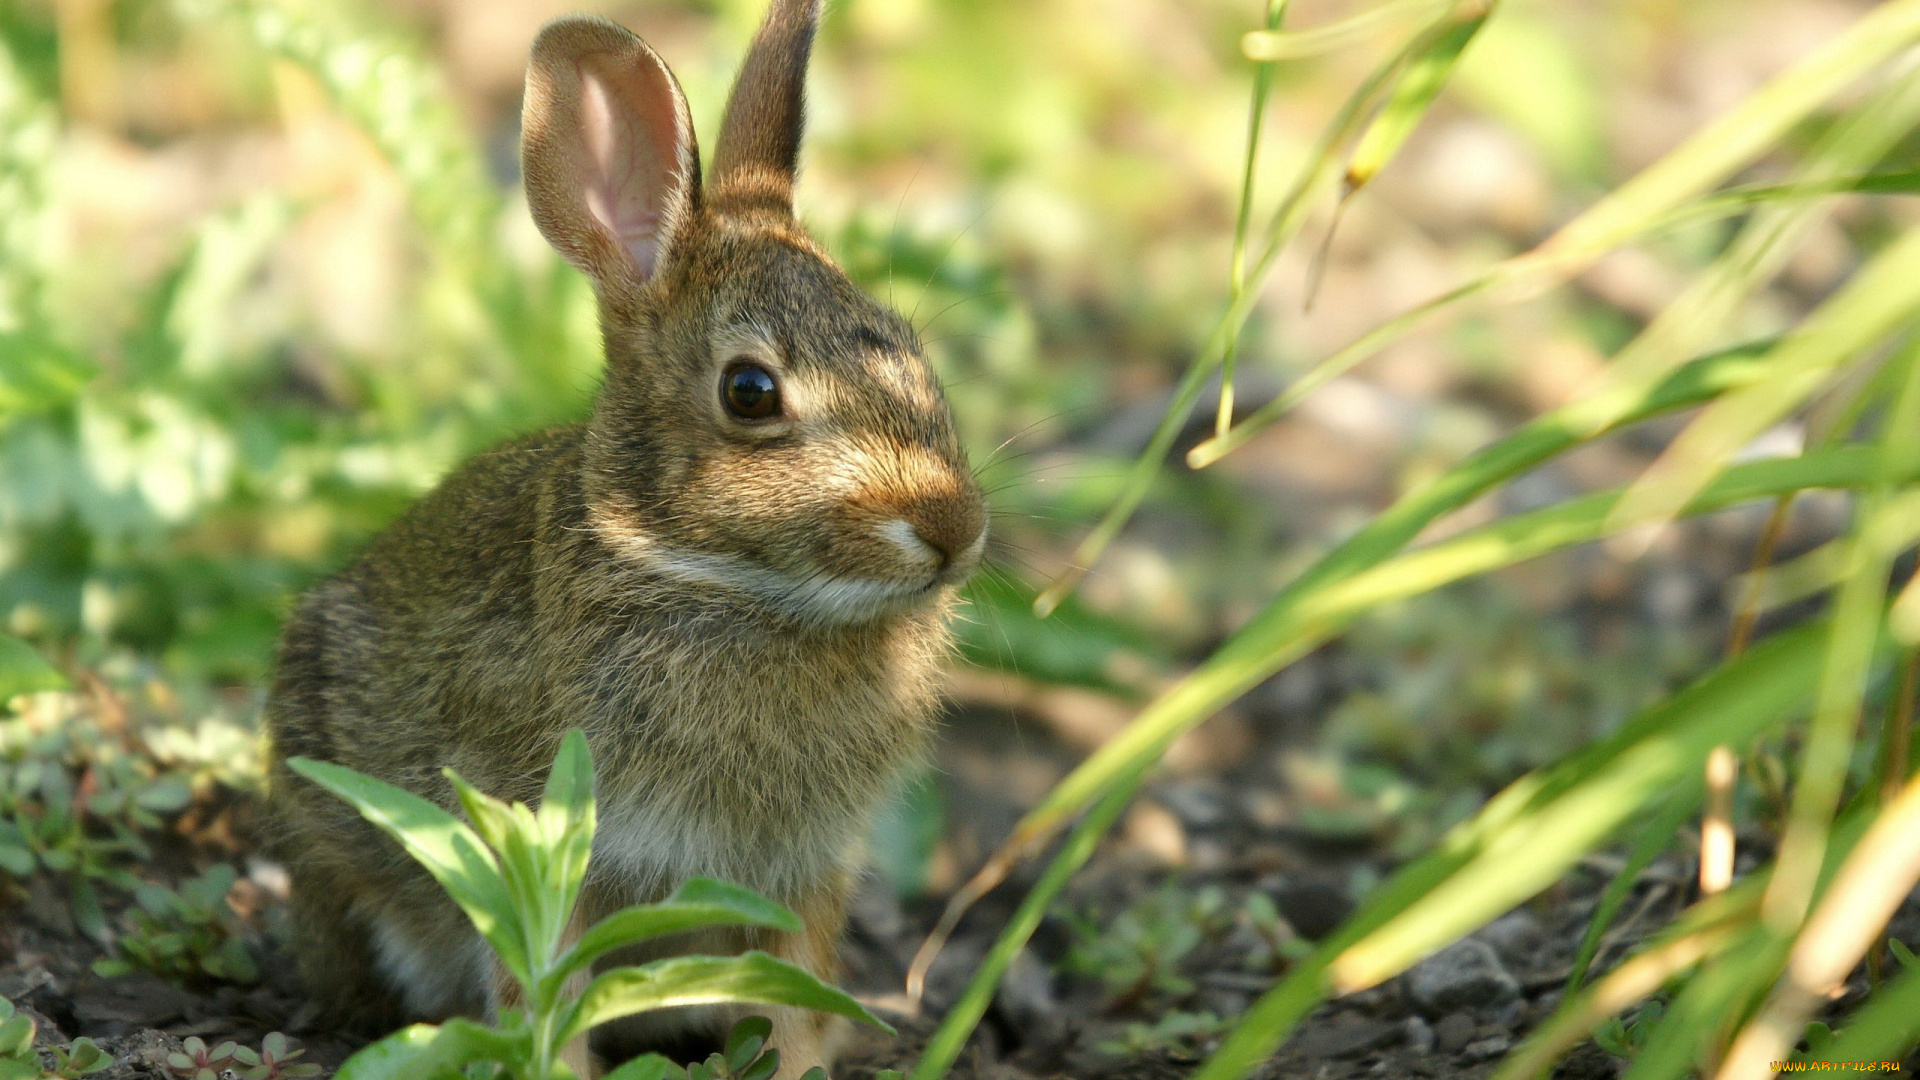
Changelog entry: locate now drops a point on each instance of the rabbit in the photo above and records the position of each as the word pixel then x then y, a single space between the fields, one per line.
pixel 735 575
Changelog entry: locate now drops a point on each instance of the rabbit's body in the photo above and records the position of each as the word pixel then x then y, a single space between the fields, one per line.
pixel 733 576
pixel 484 624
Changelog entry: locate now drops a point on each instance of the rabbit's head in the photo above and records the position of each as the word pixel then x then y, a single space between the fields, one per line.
pixel 764 427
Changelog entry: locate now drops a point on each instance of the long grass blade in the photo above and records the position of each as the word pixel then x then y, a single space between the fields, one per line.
pixel 1270 45
pixel 1279 634
pixel 1857 613
pixel 1471 867
pixel 1648 199
pixel 1875 880
pixel 1243 218
pixel 1882 297
pixel 1655 837
pixel 1316 171
pixel 943 1049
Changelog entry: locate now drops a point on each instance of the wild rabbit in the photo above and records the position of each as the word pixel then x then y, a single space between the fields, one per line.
pixel 734 575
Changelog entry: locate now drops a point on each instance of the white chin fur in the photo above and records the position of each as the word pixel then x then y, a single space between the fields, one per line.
pixel 832 601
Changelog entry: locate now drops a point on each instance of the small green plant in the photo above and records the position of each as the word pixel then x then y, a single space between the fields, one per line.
pixel 1626 1040
pixel 82 1058
pixel 1280 944
pixel 517 873
pixel 1139 953
pixel 190 935
pixel 745 1057
pixel 198 1061
pixel 76 800
pixel 1904 955
pixel 1181 1032
pixel 273 1061
pixel 20 1061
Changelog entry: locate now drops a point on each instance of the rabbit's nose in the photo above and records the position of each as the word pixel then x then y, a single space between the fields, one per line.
pixel 955 528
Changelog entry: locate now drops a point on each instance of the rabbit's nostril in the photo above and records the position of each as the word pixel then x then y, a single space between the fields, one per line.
pixel 952 529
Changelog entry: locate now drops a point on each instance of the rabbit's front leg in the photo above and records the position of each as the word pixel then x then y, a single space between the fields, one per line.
pixel 803 1037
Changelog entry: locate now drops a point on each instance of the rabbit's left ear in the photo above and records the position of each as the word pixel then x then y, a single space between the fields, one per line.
pixel 607 147
pixel 759 147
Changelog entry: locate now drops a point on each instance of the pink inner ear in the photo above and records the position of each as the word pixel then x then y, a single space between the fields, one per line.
pixel 632 139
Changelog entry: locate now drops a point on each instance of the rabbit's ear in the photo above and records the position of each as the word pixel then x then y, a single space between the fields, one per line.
pixel 607 148
pixel 759 145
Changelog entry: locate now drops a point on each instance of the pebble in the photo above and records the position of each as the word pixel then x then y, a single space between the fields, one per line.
pixel 1485 1049
pixel 1419 1035
pixel 1464 975
pixel 1345 1035
pixel 1453 1032
pixel 1517 936
pixel 1315 908
pixel 1026 998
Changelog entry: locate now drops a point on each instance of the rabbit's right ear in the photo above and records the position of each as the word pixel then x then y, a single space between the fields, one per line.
pixel 607 147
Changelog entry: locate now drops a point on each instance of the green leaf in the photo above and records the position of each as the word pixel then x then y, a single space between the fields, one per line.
pixel 429 1052
pixel 16 1034
pixel 753 977
pixel 645 1067
pixel 438 841
pixel 701 902
pixel 17 861
pixel 1904 955
pixel 1419 85
pixel 745 1040
pixel 22 671
pixel 1882 1029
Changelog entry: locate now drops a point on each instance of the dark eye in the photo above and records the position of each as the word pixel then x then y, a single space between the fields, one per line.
pixel 750 391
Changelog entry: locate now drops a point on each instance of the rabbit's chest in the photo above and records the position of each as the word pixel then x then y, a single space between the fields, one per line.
pixel 756 769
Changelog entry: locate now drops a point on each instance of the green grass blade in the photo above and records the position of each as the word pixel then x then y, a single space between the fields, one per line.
pixel 1883 1029
pixel 1243 216
pixel 1867 890
pixel 449 850
pixel 1671 744
pixel 1316 170
pixel 1278 634
pixel 1879 299
pixel 943 1049
pixel 1877 540
pixel 1730 704
pixel 1271 44
pixel 1650 198
pixel 1656 837
pixel 753 977
pixel 1420 84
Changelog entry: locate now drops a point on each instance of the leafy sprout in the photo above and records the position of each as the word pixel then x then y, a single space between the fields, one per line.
pixel 517 873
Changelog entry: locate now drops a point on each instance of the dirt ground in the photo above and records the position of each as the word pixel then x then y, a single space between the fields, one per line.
pixel 1203 837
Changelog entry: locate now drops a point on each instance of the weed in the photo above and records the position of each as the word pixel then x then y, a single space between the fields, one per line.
pixel 20 1061
pixel 1280 945
pixel 1140 951
pixel 77 800
pixel 190 935
pixel 1626 1040
pixel 273 1061
pixel 198 1061
pixel 517 873
pixel 1182 1032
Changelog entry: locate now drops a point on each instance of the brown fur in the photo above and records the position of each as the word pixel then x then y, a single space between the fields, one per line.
pixel 745 619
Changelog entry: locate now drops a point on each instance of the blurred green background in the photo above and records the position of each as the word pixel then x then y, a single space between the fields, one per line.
pixel 265 276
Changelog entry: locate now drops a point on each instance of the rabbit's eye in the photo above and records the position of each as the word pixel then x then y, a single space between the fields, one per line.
pixel 750 392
